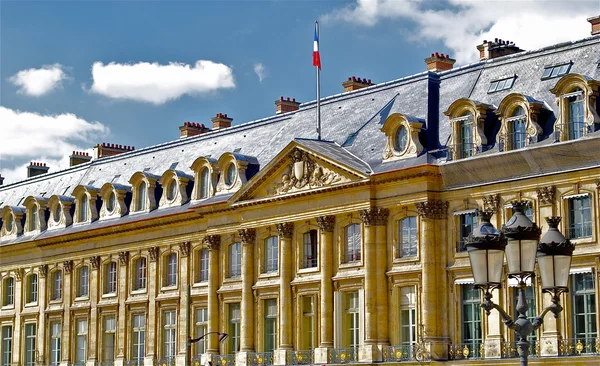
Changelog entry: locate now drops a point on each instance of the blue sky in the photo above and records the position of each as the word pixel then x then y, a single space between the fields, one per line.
pixel 76 73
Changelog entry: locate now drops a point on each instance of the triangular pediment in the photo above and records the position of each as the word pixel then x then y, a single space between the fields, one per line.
pixel 303 166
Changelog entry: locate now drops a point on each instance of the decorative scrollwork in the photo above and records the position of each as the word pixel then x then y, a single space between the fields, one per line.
pixel 546 195
pixel 43 270
pixel 124 258
pixel 491 202
pixel 212 241
pixel 68 266
pixel 154 252
pixel 184 248
pixel 95 261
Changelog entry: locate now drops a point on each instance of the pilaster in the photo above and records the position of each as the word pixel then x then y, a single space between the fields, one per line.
pixel 18 303
pixel 94 326
pixel 41 331
pixel 326 225
pixel 152 321
pixel 213 242
pixel 184 319
pixel 123 290
pixel 65 338
pixel 248 237
pixel 285 230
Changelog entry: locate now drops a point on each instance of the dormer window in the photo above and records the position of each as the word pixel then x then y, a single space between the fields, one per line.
pixel 205 174
pixel 401 139
pixel 576 114
pixel 111 203
pixel 144 193
pixel 517 124
pixel 84 209
pixel 35 219
pixel 12 218
pixel 464 125
pixel 556 71
pixel 402 133
pixel 175 188
pixel 115 198
pixel 142 197
pixel 57 213
pixel 233 167
pixel 204 183
pixel 171 189
pixel 9 222
pixel 469 120
pixel 60 211
pixel 519 115
pixel 231 172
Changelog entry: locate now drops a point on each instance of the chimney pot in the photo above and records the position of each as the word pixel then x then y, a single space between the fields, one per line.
pixel 281 97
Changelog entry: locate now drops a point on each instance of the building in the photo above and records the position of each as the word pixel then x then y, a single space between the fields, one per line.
pixel 341 250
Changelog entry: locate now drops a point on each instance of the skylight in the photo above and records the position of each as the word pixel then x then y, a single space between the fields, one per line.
pixel 502 84
pixel 556 70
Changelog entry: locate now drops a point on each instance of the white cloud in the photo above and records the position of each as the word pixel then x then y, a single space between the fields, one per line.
pixel 158 84
pixel 37 82
pixel 51 139
pixel 260 71
pixel 463 24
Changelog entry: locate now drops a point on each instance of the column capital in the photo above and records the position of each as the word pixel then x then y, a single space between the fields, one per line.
pixel 491 203
pixel 374 216
pixel 546 195
pixel 212 241
pixel 433 209
pixel 19 272
pixel 68 266
pixel 123 258
pixel 95 261
pixel 184 248
pixel 286 229
pixel 326 223
pixel 43 270
pixel 153 253
pixel 248 236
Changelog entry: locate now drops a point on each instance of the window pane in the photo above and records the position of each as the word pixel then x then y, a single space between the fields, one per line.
pixel 352 243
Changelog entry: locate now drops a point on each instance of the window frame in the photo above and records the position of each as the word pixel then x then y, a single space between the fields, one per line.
pixel 201 323
pixel 32 287
pixel 83 336
pixel 585 294
pixel 8 291
pixel 400 228
pixel 270 262
pixel 203 265
pixel 30 344
pixel 355 247
pixel 235 324
pixel 308 247
pixel 234 268
pixel 572 224
pixel 83 282
pixel 106 333
pixel 170 278
pixel 6 344
pixel 55 343
pixel 56 287
pixel 138 334
pixel 472 303
pixel 140 274
pixel 169 334
pixel 461 224
pixel 270 321
pixel 110 278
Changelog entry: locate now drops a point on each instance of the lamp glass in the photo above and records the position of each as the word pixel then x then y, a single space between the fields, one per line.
pixel 562 266
pixel 486 265
pixel 520 255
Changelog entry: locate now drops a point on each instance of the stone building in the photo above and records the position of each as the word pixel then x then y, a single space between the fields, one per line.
pixel 342 250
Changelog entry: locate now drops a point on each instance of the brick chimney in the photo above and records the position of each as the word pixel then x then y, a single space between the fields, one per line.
pixel 354 83
pixel 439 62
pixel 36 168
pixel 497 48
pixel 192 129
pixel 106 149
pixel 286 105
pixel 79 157
pixel 595 22
pixel 221 121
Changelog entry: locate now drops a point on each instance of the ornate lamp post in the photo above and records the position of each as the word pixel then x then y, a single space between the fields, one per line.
pixel 519 240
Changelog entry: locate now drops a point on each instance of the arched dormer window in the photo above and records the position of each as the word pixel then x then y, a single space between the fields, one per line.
pixel 115 198
pixel 175 185
pixel 86 199
pixel 206 178
pixel 144 192
pixel 12 219
pixel 233 168
pixel 467 119
pixel 60 211
pixel 577 108
pixel 519 116
pixel 402 133
pixel 35 218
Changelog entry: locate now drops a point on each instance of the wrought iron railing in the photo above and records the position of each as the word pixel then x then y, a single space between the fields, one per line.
pixel 407 352
pixel 510 349
pixel 260 358
pixel 579 346
pixel 343 355
pixel 224 360
pixel 300 358
pixel 466 351
pixel 139 362
pixel 197 360
pixel 165 361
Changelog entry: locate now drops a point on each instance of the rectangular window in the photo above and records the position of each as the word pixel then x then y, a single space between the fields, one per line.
pixel 309 249
pixel 32 287
pixel 138 339
pixel 408 315
pixel 55 334
pixel 556 70
pixel 580 217
pixel 171 270
pixel 140 274
pixel 270 325
pixel 468 222
pixel 352 243
pixel 352 321
pixel 81 341
pixel 30 344
pixel 201 329
pixel 169 333
pixel 110 329
pixel 203 265
pixel 110 272
pixel 9 291
pixel 576 115
pixel 465 131
pixel 502 84
pixel 583 303
pixel 271 255
pixel 235 260
pixel 6 346
pixel 471 316
pixel 407 236
pixel 57 285
pixel 531 309
pixel 517 130
pixel 308 323
pixel 83 282
pixel 234 327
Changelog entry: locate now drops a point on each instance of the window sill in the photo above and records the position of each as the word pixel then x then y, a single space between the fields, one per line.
pixel 55 302
pixel 82 299
pixel 141 291
pixel 168 288
pixel 584 240
pixel 8 307
pixel 407 259
pixel 351 264
pixel 269 274
pixel 232 279
pixel 31 304
pixel 111 295
pixel 308 270
pixel 201 284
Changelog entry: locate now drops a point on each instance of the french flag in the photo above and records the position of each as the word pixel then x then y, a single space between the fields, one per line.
pixel 316 55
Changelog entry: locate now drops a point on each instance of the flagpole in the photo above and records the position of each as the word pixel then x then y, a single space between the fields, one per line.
pixel 318 89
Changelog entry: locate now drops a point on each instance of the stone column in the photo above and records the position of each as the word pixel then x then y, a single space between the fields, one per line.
pixel 122 328
pixel 18 301
pixel 152 320
pixel 326 225
pixel 41 331
pixel 213 242
pixel 248 237
pixel 433 214
pixel 184 319
pixel 372 218
pixel 94 326
pixel 286 231
pixel 383 336
pixel 65 339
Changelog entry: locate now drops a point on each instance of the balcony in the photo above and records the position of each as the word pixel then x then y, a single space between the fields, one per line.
pixel 300 358
pixel 579 347
pixel 165 361
pixel 260 359
pixel 466 351
pixel 407 352
pixel 343 355
pixel 224 360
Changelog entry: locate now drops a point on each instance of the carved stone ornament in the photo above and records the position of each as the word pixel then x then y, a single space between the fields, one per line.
pixel 213 242
pixel 95 261
pixel 43 270
pixel 304 173
pixel 68 266
pixel 326 223
pixel 123 258
pixel 185 248
pixel 491 203
pixel 153 253
pixel 19 272
pixel 433 209
pixel 285 230
pixel 248 236
pixel 546 195
pixel 374 216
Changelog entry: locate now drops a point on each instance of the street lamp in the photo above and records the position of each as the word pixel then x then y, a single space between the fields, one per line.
pixel 519 240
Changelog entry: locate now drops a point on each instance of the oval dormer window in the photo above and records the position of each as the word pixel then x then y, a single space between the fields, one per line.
pixel 9 223
pixel 230 176
pixel 57 212
pixel 112 202
pixel 401 139
pixel 171 189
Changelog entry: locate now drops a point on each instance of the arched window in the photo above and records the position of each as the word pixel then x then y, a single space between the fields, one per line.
pixel 56 293
pixel 57 212
pixel 141 197
pixel 235 260
pixel 110 278
pixel 171 270
pixel 83 211
pixel 271 254
pixel 83 277
pixel 8 293
pixel 230 176
pixel 203 265
pixel 9 223
pixel 112 202
pixel 352 243
pixel 517 128
pixel 401 139
pixel 35 218
pixel 465 135
pixel 575 114
pixel 204 183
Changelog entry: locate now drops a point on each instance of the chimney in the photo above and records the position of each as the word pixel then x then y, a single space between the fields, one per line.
pixel 221 121
pixel 192 129
pixel 595 22
pixel 286 105
pixel 106 149
pixel 36 168
pixel 354 83
pixel 439 62
pixel 1 180
pixel 497 48
pixel 79 157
